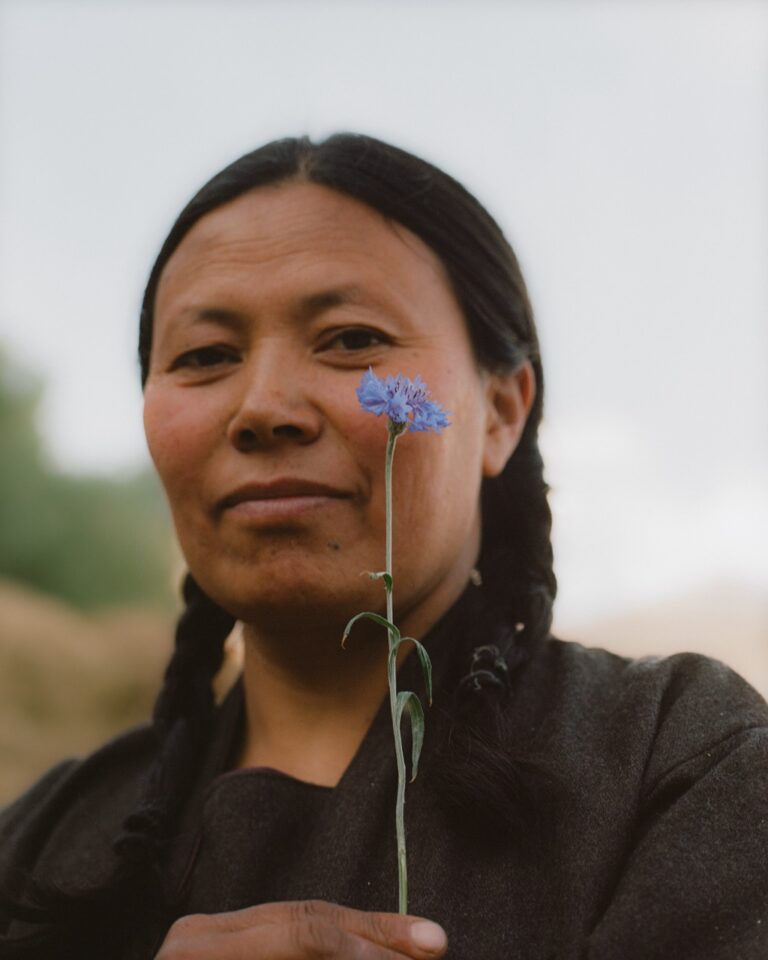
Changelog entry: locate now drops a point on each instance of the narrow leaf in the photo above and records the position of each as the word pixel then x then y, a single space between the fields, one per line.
pixel 426 664
pixel 408 699
pixel 377 618
pixel 382 575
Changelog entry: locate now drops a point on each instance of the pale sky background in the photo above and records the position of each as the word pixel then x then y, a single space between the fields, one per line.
pixel 622 145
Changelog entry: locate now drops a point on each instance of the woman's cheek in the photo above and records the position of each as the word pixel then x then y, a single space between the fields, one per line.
pixel 177 436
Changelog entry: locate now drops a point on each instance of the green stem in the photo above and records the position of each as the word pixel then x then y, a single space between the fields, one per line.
pixel 402 867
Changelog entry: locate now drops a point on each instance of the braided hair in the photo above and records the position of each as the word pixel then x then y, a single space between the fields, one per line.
pixel 515 565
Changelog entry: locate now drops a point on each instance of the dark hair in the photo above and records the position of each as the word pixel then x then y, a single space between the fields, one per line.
pixel 516 560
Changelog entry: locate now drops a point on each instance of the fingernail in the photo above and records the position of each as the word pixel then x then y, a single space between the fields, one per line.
pixel 428 936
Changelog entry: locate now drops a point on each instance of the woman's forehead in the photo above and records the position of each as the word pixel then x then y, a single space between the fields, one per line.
pixel 275 232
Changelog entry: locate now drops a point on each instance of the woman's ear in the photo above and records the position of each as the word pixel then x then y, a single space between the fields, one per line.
pixel 509 398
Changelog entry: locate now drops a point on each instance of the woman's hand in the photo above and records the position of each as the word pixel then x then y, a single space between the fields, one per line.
pixel 302 930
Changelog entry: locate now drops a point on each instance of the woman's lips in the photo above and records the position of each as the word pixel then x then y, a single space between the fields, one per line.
pixel 280 499
pixel 277 508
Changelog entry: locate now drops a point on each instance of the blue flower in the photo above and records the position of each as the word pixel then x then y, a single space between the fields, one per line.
pixel 402 400
pixel 429 416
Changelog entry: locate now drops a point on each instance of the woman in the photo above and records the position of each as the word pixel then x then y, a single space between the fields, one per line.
pixel 571 803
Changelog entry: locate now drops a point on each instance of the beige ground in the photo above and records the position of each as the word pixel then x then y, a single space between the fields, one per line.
pixel 67 682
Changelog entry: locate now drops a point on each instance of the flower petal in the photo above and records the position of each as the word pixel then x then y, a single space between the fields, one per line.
pixel 403 401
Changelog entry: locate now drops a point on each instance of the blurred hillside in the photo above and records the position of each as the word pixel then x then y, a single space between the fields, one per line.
pixel 68 680
pixel 727 621
pixel 94 541
pixel 85 596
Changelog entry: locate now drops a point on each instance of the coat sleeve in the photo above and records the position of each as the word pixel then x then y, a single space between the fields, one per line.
pixel 694 884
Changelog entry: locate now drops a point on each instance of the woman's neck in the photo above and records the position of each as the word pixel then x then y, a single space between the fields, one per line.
pixel 309 704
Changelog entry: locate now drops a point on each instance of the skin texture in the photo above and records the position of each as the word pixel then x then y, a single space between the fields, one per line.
pixel 266 316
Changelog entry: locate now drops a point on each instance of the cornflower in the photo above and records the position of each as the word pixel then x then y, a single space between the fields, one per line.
pixel 407 406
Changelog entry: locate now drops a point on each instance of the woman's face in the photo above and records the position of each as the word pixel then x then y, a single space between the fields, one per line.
pixel 266 317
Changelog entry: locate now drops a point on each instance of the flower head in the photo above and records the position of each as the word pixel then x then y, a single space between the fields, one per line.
pixel 403 400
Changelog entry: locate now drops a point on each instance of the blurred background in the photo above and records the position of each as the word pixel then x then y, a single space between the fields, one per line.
pixel 622 145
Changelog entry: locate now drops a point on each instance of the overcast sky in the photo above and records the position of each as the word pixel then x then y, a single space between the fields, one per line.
pixel 622 145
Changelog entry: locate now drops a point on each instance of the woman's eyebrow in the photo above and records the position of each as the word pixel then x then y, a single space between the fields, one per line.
pixel 316 303
pixel 233 319
pixel 307 307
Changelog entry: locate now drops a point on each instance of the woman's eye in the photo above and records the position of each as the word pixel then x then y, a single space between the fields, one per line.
pixel 203 358
pixel 356 338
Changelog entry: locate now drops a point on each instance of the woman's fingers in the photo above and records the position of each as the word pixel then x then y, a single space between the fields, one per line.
pixel 411 935
pixel 301 930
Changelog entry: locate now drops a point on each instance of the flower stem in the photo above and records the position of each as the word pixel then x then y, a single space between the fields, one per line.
pixel 402 868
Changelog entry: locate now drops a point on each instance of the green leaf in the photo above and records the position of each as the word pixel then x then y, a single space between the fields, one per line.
pixel 377 618
pixel 426 663
pixel 406 699
pixel 382 575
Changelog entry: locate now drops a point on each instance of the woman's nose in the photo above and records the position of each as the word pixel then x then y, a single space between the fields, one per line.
pixel 272 408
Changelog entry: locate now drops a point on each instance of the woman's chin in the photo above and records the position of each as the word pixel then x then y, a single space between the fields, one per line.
pixel 281 604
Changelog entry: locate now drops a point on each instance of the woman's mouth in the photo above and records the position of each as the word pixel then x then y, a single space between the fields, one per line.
pixel 281 499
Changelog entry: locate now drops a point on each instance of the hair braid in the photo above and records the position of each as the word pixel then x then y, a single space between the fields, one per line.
pixel 485 791
pixel 181 720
